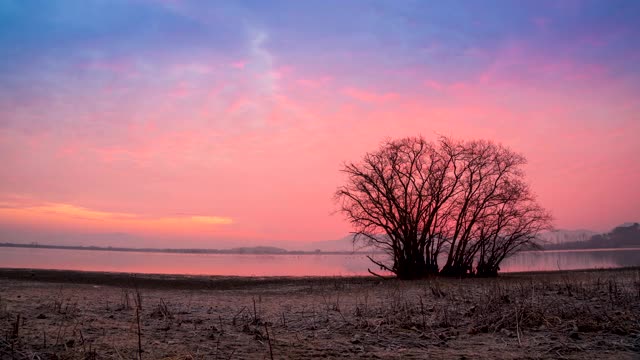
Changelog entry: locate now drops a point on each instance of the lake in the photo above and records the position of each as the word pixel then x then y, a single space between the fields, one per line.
pixel 282 265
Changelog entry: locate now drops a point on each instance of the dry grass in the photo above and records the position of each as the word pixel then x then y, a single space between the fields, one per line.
pixel 586 315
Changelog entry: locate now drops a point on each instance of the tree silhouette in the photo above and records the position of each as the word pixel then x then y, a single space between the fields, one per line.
pixel 418 201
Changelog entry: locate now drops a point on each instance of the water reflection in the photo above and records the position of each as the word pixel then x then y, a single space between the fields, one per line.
pixel 571 260
pixel 280 265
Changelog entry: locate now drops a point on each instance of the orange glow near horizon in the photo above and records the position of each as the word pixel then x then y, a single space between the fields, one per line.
pixel 70 217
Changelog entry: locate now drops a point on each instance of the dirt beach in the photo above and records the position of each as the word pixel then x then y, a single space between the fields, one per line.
pixel 47 314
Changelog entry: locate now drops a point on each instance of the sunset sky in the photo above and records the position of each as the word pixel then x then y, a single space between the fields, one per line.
pixel 208 123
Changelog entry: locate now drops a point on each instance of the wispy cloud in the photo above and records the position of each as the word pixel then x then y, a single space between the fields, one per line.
pixel 65 214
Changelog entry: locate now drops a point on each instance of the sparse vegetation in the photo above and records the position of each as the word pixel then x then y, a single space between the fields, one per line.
pixel 586 315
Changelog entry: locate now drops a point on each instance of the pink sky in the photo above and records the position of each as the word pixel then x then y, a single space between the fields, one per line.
pixel 204 147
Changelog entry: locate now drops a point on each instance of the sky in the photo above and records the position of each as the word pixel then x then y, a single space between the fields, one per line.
pixel 212 124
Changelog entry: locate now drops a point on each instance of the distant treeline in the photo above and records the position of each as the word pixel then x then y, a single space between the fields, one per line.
pixel 265 250
pixel 620 237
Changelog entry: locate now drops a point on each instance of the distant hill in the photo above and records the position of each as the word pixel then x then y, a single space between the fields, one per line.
pixel 344 244
pixel 557 237
pixel 258 250
pixel 624 236
pixel 551 238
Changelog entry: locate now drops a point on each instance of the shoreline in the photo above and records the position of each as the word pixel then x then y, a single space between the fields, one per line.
pixel 165 281
pixel 223 282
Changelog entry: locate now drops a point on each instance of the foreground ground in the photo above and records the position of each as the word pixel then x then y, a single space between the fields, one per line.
pixel 74 315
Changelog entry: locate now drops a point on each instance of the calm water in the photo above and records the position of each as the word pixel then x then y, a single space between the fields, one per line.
pixel 281 265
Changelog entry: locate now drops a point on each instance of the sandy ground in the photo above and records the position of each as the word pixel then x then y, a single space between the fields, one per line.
pixel 73 315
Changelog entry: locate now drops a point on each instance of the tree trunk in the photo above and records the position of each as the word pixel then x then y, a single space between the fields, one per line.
pixel 414 267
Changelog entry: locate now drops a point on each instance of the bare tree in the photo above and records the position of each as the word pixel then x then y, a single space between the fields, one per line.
pixel 419 201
